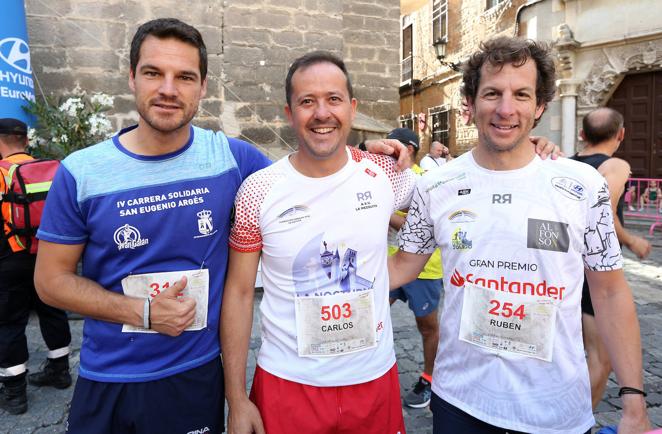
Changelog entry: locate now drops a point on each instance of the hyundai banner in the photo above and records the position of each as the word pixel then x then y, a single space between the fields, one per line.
pixel 16 85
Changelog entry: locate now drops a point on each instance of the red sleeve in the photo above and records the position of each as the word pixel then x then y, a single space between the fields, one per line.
pixel 245 235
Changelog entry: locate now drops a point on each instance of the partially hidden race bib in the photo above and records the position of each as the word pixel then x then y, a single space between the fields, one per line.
pixel 331 325
pixel 151 285
pixel 506 322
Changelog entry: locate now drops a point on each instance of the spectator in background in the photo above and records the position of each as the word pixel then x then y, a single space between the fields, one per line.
pixel 438 155
pixel 631 195
pixel 18 297
pixel 651 195
pixel 602 133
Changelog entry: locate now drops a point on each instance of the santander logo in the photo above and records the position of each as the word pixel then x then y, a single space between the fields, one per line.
pixel 457 279
pixel 536 289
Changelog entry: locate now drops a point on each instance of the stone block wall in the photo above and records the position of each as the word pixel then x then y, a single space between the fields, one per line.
pixel 83 45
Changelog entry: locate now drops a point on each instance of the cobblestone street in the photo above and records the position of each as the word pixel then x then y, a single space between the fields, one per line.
pixel 48 407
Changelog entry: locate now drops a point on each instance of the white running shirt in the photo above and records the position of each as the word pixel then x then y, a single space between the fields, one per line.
pixel 523 231
pixel 321 236
pixel 428 162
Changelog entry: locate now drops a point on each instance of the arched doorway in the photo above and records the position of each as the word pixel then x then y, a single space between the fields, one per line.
pixel 639 99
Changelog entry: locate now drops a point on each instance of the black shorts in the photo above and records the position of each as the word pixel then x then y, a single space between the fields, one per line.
pixel 448 419
pixel 587 304
pixel 191 401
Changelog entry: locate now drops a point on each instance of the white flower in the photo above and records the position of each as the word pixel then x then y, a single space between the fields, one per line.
pixel 102 99
pixel 72 106
pixel 63 139
pixel 33 140
pixel 99 124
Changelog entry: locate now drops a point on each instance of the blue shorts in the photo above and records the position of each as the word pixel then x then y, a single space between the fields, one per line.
pixel 191 401
pixel 422 294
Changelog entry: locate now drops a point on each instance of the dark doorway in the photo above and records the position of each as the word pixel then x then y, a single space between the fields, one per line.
pixel 639 99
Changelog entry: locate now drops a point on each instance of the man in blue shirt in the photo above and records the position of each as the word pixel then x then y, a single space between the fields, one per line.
pixel 148 212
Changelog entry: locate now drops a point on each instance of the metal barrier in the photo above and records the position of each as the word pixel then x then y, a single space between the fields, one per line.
pixel 643 201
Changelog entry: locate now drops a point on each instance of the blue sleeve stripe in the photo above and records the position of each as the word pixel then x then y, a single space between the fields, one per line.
pixel 61 239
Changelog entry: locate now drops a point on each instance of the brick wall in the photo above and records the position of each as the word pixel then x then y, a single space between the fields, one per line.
pixel 84 45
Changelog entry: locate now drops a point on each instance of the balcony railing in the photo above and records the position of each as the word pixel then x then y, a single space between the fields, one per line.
pixel 643 201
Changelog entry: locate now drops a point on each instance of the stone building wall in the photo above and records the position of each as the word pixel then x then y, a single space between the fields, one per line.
pixel 83 45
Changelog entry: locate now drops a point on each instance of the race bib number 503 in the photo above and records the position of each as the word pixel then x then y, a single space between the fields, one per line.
pixel 335 324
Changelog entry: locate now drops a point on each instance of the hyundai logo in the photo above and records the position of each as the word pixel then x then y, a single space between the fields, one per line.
pixel 16 53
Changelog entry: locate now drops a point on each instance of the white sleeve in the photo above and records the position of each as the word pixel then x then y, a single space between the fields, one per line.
pixel 601 249
pixel 417 233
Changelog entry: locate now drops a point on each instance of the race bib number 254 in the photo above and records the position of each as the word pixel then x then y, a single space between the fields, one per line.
pixel 508 322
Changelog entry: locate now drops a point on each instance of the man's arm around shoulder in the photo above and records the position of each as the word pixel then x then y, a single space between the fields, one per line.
pixel 235 330
pixel 617 323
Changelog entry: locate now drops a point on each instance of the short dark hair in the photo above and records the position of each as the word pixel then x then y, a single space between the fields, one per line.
pixel 516 51
pixel 164 28
pixel 311 59
pixel 601 124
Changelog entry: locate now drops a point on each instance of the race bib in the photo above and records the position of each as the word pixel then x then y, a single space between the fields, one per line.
pixel 332 325
pixel 506 322
pixel 152 284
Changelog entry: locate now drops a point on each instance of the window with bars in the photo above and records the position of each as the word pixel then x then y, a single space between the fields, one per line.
pixel 407 121
pixel 407 48
pixel 439 20
pixel 440 124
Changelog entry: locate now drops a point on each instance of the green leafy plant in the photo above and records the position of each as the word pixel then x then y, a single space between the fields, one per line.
pixel 68 124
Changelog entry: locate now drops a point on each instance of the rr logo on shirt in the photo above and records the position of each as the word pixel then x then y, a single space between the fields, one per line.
pixel 502 198
pixel 363 196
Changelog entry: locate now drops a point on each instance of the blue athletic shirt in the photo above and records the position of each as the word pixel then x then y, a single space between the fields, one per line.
pixel 147 214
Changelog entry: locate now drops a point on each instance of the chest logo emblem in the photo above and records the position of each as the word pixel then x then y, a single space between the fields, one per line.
pixel 128 237
pixel 205 224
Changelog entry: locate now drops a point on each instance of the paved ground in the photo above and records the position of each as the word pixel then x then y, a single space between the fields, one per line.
pixel 49 407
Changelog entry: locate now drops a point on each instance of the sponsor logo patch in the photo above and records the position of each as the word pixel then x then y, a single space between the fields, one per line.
pixel 459 240
pixel 463 216
pixel 548 235
pixel 128 237
pixel 464 192
pixel 541 288
pixel 459 177
pixel 570 188
pixel 365 201
pixel 294 214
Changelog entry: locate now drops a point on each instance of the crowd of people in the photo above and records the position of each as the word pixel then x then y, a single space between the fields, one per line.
pixel 170 222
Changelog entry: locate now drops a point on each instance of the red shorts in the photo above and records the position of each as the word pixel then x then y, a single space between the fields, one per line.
pixel 287 407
